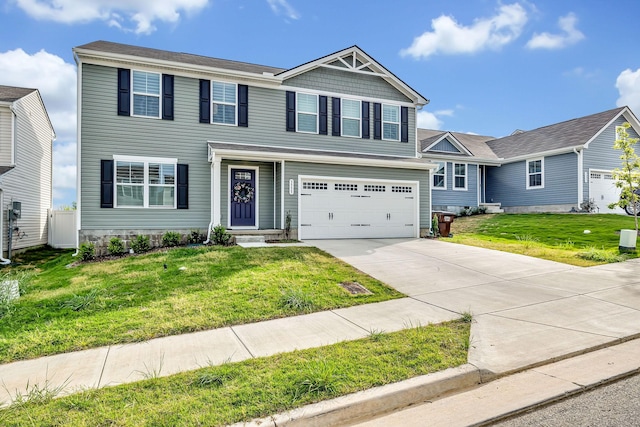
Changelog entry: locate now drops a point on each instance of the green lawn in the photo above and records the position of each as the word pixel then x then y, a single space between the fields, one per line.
pixel 136 298
pixel 558 237
pixel 234 392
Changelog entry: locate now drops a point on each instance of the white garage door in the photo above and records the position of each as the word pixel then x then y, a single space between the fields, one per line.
pixel 351 208
pixel 603 190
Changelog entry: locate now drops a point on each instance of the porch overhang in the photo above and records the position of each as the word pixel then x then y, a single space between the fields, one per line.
pixel 274 154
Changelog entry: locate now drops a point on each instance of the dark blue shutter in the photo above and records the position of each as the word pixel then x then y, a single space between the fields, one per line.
pixel 167 97
pixel 322 116
pixel 205 101
pixel 182 186
pixel 124 97
pixel 335 117
pixel 243 105
pixel 291 111
pixel 365 120
pixel 377 121
pixel 404 124
pixel 106 183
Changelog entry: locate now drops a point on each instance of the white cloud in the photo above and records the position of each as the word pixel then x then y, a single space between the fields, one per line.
pixel 449 37
pixel 116 13
pixel 570 35
pixel 283 7
pixel 628 84
pixel 428 120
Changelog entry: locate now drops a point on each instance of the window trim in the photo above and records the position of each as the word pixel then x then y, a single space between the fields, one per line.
pixel 159 95
pixel 235 104
pixel 466 177
pixel 444 176
pixel 383 121
pixel 528 174
pixel 145 197
pixel 316 114
pixel 343 117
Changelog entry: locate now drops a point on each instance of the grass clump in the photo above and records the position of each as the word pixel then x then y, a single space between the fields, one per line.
pixel 254 388
pixel 602 255
pixel 297 300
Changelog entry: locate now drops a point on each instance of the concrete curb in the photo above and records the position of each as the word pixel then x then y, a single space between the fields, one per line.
pixel 374 402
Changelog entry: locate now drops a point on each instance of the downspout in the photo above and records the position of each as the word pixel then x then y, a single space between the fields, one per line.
pixel 3 261
pixel 580 179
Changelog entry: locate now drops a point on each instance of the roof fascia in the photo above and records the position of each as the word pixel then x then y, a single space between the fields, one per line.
pixel 628 114
pixel 378 69
pixel 557 151
pixel 453 140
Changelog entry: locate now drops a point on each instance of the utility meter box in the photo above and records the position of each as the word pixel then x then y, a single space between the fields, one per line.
pixel 16 209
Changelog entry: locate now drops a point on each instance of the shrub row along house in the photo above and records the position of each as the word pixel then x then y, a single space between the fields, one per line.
pixel 329 149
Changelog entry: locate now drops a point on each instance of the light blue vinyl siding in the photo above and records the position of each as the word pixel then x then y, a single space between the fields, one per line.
pixel 294 169
pixel 450 197
pixel 507 184
pixel 601 155
pixel 445 146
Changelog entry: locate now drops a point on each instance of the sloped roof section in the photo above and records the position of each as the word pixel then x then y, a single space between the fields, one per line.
pixel 186 58
pixel 12 93
pixel 475 144
pixel 568 134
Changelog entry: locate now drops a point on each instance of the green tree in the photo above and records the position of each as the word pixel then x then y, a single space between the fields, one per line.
pixel 628 176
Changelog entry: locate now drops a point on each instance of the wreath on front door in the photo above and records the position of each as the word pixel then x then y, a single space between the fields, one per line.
pixel 242 192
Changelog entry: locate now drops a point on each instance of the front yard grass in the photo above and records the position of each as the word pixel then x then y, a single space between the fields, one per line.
pixel 167 293
pixel 556 237
pixel 234 392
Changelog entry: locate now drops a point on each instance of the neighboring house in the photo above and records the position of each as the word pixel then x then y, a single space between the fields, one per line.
pixel 551 169
pixel 173 141
pixel 26 146
pixel 458 183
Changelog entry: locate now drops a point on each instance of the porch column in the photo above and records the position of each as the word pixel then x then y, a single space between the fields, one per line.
pixel 216 209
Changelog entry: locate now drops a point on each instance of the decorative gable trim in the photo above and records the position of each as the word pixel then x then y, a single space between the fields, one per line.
pixel 448 136
pixel 628 115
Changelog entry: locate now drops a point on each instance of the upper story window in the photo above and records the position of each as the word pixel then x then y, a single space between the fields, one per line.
pixel 223 110
pixel 145 182
pixel 351 117
pixel 440 176
pixel 459 176
pixel 391 122
pixel 307 113
pixel 146 93
pixel 535 173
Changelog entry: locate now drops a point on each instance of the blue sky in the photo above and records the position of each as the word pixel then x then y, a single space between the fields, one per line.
pixel 489 67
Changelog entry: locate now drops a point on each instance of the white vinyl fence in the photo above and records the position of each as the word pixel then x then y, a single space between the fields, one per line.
pixel 62 229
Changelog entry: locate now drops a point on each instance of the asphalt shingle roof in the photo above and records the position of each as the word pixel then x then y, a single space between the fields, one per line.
pixel 186 58
pixel 12 93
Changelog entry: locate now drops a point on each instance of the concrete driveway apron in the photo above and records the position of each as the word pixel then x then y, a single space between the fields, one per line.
pixel 526 311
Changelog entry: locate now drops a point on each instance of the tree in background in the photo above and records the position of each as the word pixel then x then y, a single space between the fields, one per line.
pixel 628 177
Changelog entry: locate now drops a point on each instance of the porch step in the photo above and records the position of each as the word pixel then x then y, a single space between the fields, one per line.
pixel 249 239
pixel 492 207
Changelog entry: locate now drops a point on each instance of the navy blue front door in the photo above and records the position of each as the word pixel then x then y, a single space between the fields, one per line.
pixel 243 198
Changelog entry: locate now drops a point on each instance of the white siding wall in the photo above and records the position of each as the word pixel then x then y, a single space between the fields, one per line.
pixel 5 136
pixel 30 181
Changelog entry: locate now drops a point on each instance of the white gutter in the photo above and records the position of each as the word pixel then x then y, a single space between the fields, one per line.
pixel 555 152
pixel 3 261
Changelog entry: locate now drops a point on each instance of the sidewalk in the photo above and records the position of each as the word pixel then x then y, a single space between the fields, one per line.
pixel 527 312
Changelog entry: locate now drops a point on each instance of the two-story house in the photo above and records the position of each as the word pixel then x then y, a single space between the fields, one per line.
pixel 26 150
pixel 173 141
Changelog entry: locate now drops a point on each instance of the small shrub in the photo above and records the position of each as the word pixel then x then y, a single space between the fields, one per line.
pixel 87 251
pixel 466 317
pixel 171 238
pixel 220 236
pixel 140 244
pixel 195 237
pixel 115 246
pixel 287 225
pixel 297 300
pixel 434 225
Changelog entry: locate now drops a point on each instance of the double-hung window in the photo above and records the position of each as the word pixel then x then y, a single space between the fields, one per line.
pixel 440 176
pixel 459 176
pixel 535 173
pixel 145 182
pixel 307 112
pixel 146 94
pixel 224 108
pixel 351 117
pixel 391 122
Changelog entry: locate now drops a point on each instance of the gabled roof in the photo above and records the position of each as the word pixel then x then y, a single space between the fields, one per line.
pixel 12 93
pixel 474 144
pixel 356 60
pixel 564 135
pixel 185 58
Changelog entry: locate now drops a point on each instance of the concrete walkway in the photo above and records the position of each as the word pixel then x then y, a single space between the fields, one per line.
pixel 527 312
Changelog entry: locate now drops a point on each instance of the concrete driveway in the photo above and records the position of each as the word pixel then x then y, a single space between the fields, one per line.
pixel 526 311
